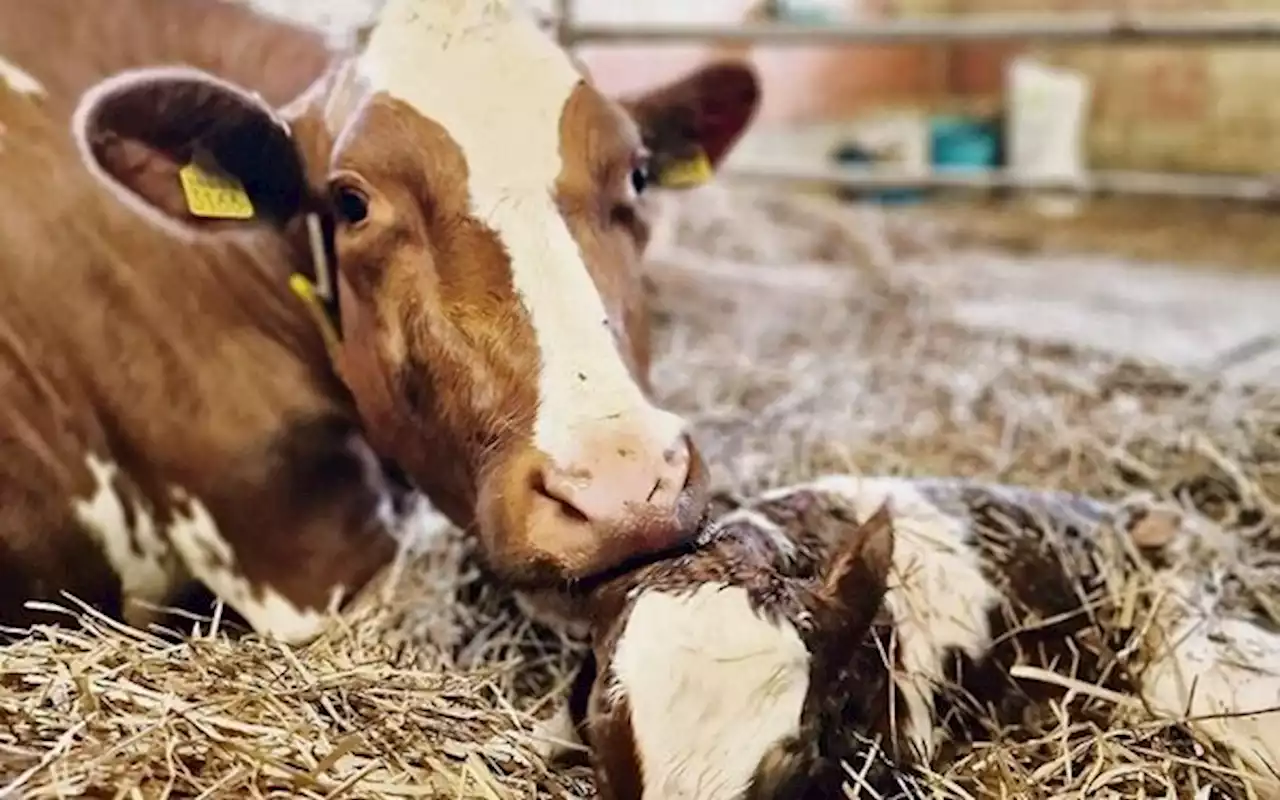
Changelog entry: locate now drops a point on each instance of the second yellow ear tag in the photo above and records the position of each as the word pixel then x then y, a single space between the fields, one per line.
pixel 685 174
pixel 214 196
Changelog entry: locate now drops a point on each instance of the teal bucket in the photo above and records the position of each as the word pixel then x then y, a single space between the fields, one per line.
pixel 962 143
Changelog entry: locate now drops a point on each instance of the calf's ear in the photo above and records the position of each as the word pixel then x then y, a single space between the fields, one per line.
pixel 691 124
pixel 188 149
pixel 853 584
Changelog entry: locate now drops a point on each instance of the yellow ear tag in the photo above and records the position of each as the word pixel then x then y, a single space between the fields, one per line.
pixel 686 174
pixel 214 196
pixel 307 293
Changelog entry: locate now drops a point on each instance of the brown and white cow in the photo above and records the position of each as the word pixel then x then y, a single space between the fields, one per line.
pixel 170 401
pixel 871 621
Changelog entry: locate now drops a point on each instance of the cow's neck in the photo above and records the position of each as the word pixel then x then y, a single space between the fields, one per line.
pixel 156 336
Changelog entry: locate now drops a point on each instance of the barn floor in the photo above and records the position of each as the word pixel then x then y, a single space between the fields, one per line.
pixel 802 338
pixel 1189 283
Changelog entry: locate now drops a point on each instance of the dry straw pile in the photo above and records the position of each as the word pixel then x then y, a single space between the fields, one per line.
pixel 801 339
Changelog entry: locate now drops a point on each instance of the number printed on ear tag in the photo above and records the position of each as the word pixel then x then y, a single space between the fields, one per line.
pixel 691 172
pixel 214 196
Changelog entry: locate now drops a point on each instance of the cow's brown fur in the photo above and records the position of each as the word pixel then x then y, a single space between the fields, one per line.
pixel 185 366
pixel 183 358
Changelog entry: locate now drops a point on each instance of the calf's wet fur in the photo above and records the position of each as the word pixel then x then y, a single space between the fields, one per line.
pixel 843 632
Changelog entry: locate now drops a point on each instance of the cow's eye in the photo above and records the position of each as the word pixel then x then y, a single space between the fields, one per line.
pixel 640 179
pixel 641 172
pixel 351 204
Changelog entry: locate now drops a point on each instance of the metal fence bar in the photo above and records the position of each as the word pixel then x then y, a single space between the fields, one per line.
pixel 1118 181
pixel 564 21
pixel 1074 27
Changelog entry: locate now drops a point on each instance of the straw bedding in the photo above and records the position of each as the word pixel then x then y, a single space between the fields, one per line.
pixel 800 338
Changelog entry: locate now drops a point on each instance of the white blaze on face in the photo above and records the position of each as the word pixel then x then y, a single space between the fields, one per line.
pixel 19 80
pixel 938 596
pixel 711 687
pixel 138 554
pixel 212 561
pixel 483 71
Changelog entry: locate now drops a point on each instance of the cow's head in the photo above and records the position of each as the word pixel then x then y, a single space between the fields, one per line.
pixel 481 196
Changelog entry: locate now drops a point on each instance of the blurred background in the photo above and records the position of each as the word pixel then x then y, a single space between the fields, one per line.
pixel 1175 133
pixel 1201 106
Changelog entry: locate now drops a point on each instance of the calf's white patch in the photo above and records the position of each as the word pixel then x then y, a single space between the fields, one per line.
pixel 711 686
pixel 937 594
pixel 1223 673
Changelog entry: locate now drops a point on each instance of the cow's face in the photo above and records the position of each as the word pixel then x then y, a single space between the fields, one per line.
pixel 481 196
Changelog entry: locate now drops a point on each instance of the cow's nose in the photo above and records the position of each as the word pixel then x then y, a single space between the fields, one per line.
pixel 639 491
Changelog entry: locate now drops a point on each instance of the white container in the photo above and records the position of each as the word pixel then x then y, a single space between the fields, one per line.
pixel 1047 112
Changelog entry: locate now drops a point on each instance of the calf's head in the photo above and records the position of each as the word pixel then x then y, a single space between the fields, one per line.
pixel 478 196
pixel 744 671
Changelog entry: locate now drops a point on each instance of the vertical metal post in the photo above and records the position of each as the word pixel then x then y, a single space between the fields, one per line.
pixel 564 22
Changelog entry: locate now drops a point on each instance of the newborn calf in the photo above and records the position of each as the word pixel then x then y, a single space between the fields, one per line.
pixel 872 620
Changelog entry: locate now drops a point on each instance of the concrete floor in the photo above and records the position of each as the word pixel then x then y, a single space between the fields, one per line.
pixel 1192 284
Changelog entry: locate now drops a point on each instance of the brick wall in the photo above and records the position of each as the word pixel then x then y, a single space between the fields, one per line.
pixel 1210 108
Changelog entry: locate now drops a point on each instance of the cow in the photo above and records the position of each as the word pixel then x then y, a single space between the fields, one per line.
pixel 875 621
pixel 255 288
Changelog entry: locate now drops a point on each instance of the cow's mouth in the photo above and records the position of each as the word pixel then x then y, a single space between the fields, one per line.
pixel 584 586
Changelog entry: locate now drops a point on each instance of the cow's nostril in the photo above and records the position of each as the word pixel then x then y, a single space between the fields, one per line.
pixel 656 487
pixel 563 490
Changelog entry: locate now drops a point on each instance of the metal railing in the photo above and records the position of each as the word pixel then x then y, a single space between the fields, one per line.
pixel 1115 28
pixel 1120 28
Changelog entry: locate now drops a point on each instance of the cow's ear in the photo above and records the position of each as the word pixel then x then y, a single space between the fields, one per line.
pixel 691 124
pixel 184 147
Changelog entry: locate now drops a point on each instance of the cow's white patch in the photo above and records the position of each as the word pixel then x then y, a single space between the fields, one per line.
pixel 211 560
pixel 505 118
pixel 20 80
pixel 139 555
pixel 711 686
pixel 1215 671
pixel 937 594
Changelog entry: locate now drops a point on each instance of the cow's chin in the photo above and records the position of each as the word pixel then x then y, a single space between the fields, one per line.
pixel 537 548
